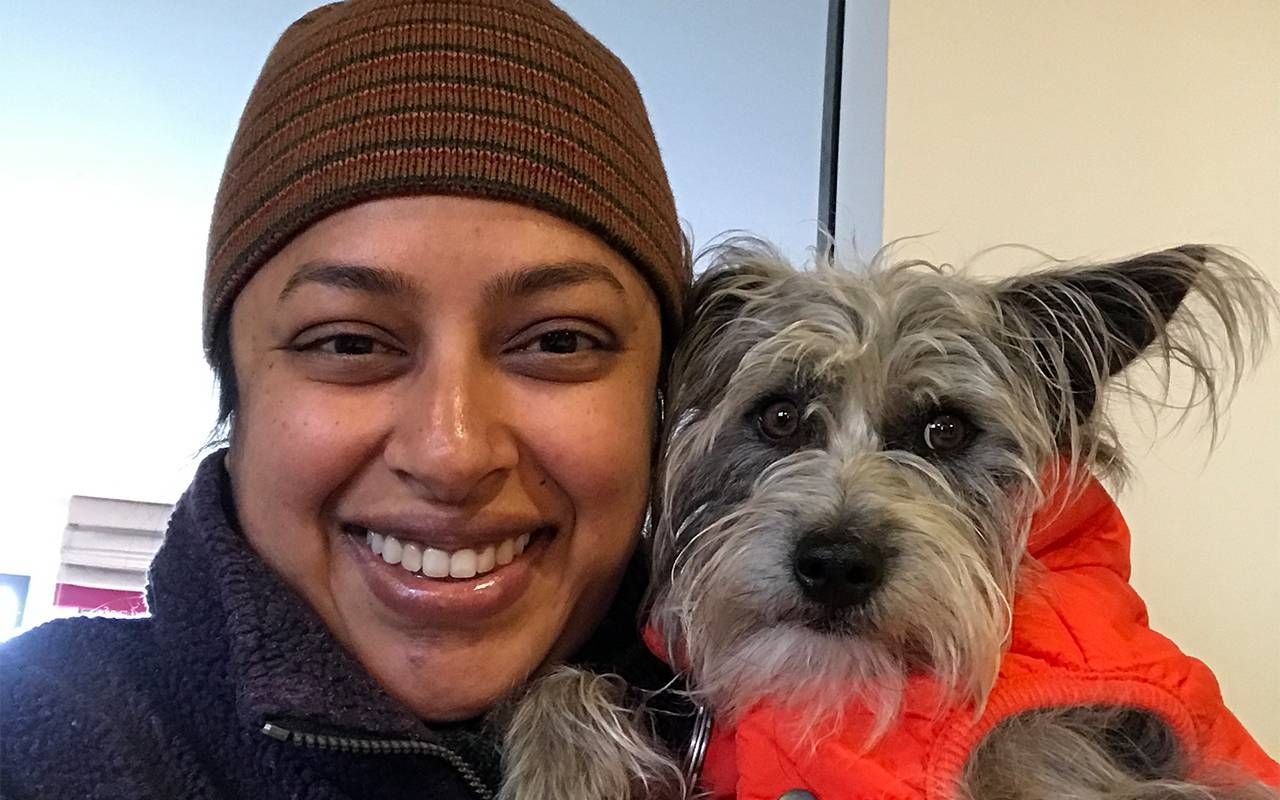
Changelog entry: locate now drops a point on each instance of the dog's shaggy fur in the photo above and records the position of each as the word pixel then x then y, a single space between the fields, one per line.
pixel 575 735
pixel 863 366
pixel 915 417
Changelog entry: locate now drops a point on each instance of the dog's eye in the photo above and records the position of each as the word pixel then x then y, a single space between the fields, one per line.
pixel 946 433
pixel 780 420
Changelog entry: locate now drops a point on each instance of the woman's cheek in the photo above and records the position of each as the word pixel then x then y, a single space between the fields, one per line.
pixel 603 448
pixel 307 440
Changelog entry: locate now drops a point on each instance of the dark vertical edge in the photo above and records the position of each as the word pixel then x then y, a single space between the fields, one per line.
pixel 863 117
pixel 829 159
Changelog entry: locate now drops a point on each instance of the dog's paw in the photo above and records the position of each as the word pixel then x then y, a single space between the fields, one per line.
pixel 574 736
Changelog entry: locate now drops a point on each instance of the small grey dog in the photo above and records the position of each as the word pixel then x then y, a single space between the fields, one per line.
pixel 850 466
pixel 852 463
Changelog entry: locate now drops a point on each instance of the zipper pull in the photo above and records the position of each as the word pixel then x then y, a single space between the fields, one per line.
pixel 276 732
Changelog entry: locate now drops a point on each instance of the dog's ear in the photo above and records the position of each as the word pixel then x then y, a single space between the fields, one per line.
pixel 1086 324
pixel 717 313
pixel 719 294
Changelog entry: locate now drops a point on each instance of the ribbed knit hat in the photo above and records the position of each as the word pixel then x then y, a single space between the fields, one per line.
pixel 503 99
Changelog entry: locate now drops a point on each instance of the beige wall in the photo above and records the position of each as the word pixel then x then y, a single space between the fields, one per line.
pixel 1097 128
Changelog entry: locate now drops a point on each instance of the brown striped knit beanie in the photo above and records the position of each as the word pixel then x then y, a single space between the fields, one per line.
pixel 504 99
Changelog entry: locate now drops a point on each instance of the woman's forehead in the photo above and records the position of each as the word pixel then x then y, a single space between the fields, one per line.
pixel 519 282
pixel 416 246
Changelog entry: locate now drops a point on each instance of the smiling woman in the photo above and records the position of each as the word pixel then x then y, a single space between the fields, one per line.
pixel 444 274
pixel 482 376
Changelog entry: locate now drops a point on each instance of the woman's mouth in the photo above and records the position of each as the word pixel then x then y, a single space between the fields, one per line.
pixel 435 586
pixel 432 562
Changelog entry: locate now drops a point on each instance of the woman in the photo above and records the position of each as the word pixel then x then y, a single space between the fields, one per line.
pixel 444 270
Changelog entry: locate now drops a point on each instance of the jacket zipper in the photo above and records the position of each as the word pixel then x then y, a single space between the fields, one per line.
pixel 361 744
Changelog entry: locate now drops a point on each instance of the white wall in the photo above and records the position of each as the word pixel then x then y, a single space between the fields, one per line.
pixel 1094 129
pixel 860 162
pixel 734 89
pixel 115 119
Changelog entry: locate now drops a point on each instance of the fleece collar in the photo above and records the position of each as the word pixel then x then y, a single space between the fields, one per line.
pixel 210 594
pixel 216 604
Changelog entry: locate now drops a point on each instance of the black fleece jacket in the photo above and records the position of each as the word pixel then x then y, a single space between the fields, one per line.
pixel 234 688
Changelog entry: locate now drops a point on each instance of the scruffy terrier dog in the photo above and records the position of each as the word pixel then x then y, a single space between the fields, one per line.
pixel 851 466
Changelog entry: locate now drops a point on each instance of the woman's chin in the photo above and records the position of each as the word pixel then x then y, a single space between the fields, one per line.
pixel 452 676
pixel 453 698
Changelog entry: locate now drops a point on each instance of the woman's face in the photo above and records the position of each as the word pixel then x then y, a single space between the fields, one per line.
pixel 465 378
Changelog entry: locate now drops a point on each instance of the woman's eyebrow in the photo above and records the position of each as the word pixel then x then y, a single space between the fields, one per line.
pixel 359 277
pixel 546 277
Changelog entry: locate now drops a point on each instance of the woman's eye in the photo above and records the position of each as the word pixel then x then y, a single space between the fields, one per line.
pixel 347 345
pixel 562 342
pixel 347 355
pixel 562 355
pixel 946 433
pixel 352 345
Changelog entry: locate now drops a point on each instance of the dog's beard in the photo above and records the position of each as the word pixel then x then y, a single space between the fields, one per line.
pixel 747 632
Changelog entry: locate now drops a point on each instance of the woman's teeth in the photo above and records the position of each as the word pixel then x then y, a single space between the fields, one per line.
pixel 433 563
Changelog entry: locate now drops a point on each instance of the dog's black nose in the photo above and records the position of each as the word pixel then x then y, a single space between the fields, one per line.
pixel 839 573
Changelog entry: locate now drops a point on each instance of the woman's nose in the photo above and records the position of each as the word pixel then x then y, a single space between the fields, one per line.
pixel 452 442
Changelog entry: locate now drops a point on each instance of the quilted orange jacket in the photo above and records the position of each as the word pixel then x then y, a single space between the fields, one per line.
pixel 1080 636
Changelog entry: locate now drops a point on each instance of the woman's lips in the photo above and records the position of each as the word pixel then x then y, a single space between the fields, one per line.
pixel 435 562
pixel 468 597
